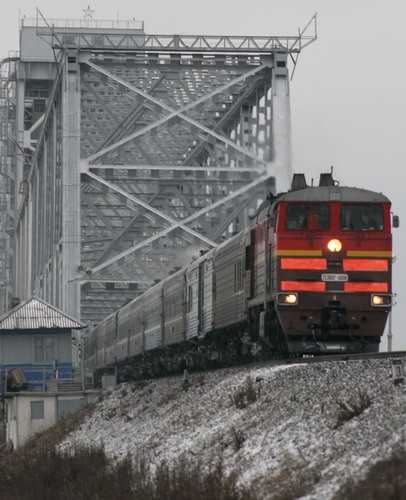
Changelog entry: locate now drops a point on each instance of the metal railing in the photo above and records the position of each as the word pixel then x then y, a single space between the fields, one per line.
pixel 39 22
pixel 182 43
pixel 37 379
pixel 56 28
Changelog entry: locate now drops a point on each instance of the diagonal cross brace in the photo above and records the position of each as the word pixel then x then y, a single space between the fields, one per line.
pixel 147 207
pixel 173 113
pixel 181 224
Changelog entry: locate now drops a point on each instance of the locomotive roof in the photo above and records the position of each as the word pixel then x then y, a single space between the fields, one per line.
pixel 334 193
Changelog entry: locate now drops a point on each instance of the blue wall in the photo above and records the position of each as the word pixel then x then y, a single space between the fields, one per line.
pixel 37 375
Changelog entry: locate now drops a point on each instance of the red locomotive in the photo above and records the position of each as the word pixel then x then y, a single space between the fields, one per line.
pixel 311 276
pixel 329 267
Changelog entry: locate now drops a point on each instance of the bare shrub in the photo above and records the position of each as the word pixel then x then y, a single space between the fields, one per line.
pixel 196 381
pixel 111 413
pixel 139 385
pixel 186 384
pixel 245 395
pixel 200 379
pixel 238 438
pixel 169 397
pixel 350 409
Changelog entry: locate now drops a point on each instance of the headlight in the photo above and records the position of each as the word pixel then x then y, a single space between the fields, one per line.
pixel 334 245
pixel 287 299
pixel 381 300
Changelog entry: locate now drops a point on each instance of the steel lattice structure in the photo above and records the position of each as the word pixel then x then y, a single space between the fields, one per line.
pixel 139 152
pixel 7 164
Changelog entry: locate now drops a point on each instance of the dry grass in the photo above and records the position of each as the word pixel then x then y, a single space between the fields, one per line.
pixel 246 394
pixel 350 409
pixel 293 479
pixel 42 472
pixel 386 480
pixel 39 470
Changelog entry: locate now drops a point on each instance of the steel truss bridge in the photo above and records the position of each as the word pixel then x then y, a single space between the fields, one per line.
pixel 135 152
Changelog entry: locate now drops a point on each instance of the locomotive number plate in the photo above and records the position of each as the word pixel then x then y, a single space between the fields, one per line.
pixel 334 277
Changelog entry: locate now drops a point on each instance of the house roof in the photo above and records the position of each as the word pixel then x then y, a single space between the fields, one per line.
pixel 35 314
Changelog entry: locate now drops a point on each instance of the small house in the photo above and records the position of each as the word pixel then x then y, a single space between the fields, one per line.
pixel 35 346
pixel 36 383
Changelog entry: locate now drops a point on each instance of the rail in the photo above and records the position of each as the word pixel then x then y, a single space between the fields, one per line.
pixel 346 357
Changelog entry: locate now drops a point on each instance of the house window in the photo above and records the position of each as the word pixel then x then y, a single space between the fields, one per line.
pixel 37 410
pixel 44 349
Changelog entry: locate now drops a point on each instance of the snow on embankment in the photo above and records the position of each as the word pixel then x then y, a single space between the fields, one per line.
pixel 304 428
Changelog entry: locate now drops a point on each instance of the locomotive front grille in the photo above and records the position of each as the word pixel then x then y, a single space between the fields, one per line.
pixel 309 274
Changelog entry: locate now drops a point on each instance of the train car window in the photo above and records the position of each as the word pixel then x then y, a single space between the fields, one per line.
pixel 190 298
pixel 356 217
pixel 248 258
pixel 307 216
pixel 238 282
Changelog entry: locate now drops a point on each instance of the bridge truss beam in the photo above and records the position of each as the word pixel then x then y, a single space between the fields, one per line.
pixel 149 150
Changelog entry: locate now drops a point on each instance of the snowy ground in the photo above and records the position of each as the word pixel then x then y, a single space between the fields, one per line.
pixel 292 435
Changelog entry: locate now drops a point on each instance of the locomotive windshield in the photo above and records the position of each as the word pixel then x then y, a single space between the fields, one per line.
pixel 361 217
pixel 307 216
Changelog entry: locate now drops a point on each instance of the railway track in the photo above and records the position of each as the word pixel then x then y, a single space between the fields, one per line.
pixel 320 359
pixel 348 357
pixel 268 363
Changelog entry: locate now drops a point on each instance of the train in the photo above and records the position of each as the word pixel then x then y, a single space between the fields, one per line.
pixel 311 275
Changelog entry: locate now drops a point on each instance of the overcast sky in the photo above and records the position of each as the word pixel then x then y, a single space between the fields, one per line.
pixel 348 94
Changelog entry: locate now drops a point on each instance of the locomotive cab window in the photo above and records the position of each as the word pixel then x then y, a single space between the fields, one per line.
pixel 356 217
pixel 302 216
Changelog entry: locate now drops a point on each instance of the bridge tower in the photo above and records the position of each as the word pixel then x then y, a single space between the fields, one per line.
pixel 134 152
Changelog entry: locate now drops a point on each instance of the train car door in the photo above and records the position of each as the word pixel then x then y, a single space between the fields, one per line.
pixel 200 298
pixel 206 287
